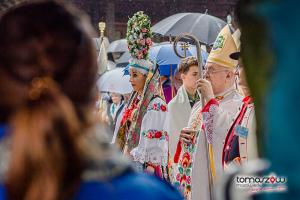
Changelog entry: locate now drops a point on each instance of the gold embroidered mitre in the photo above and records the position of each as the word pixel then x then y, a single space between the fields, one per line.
pixel 236 37
pixel 223 47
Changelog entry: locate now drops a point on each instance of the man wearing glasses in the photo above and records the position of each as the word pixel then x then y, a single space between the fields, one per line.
pixel 221 102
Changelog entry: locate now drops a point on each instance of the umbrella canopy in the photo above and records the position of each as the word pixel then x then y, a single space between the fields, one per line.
pixel 164 55
pixel 111 65
pixel 114 81
pixel 118 46
pixel 203 26
pixel 123 60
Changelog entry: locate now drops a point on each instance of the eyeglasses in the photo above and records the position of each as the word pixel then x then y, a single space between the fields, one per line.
pixel 210 72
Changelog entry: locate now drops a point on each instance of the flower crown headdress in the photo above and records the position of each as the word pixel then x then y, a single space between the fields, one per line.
pixel 139 41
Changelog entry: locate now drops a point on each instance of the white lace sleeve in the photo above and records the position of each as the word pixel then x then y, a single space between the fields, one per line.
pixel 153 144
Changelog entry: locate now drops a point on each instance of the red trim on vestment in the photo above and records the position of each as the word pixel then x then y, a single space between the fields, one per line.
pixel 208 104
pixel 178 152
pixel 247 100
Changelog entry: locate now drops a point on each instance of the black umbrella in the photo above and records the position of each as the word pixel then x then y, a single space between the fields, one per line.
pixel 203 26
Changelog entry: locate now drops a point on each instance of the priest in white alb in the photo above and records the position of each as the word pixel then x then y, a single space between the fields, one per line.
pixel 200 168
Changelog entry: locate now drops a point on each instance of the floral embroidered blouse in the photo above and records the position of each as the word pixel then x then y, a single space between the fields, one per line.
pixel 153 143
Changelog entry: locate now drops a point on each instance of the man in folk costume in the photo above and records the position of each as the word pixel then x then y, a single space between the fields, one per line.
pixel 180 107
pixel 240 143
pixel 200 165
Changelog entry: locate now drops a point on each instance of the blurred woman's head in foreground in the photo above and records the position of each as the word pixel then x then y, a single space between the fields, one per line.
pixel 47 75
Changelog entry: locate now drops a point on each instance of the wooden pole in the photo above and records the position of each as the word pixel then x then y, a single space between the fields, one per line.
pixel 172 83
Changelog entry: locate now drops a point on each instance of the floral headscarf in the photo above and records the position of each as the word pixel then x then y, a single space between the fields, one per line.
pixel 139 41
pixel 151 90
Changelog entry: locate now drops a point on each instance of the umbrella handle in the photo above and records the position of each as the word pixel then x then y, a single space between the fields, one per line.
pixel 198 47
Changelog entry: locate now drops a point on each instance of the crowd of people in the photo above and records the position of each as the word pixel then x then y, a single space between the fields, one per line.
pixel 190 138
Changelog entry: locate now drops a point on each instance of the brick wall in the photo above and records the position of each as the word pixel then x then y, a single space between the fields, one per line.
pixel 156 9
pixel 116 12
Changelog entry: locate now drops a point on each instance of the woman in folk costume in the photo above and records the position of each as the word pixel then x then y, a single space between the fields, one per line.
pixel 200 165
pixel 142 135
pixel 180 107
pixel 240 143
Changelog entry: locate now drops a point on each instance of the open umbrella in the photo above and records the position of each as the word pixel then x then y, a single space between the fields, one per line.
pixel 123 60
pixel 111 65
pixel 164 55
pixel 114 81
pixel 203 26
pixel 118 46
pixel 116 49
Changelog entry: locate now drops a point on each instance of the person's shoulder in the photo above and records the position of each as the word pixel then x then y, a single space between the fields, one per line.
pixel 153 187
pixel 129 186
pixel 172 102
pixel 158 99
pixel 178 98
pixel 156 103
pixel 237 96
pixel 198 105
pixel 2 192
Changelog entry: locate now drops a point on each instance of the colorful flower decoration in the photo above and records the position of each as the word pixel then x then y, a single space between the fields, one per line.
pixel 163 108
pixel 154 134
pixel 139 35
pixel 184 170
pixel 158 107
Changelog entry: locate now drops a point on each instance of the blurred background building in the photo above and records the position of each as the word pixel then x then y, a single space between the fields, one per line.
pixel 116 12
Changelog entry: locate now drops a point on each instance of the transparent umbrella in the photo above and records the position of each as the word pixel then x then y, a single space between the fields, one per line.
pixel 118 46
pixel 114 81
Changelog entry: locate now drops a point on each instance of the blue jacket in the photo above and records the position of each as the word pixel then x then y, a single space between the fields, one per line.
pixel 129 186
